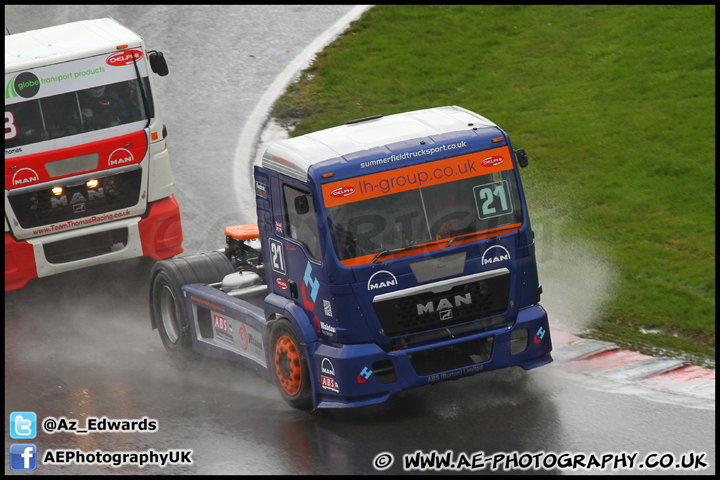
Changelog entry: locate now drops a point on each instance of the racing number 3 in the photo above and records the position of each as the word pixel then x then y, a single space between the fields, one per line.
pixel 10 128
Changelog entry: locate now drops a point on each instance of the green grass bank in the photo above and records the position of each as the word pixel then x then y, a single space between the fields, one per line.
pixel 615 106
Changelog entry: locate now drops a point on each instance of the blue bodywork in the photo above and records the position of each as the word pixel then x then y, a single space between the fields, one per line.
pixel 428 332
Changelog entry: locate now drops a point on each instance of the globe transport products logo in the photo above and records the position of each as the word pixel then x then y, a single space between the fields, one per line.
pixel 27 84
pixel 74 75
pixel 24 85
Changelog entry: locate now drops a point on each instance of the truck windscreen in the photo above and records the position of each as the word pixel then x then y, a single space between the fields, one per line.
pixel 72 113
pixel 416 205
pixel 50 107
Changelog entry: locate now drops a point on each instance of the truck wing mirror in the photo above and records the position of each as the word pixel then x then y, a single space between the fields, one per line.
pixel 521 157
pixel 301 205
pixel 158 63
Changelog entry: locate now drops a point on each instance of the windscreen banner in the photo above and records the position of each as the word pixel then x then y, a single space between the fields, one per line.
pixel 70 104
pixel 74 75
pixel 417 176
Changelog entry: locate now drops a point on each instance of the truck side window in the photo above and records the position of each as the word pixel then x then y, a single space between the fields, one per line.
pixel 301 222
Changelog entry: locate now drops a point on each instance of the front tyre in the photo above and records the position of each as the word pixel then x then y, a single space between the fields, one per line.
pixel 290 367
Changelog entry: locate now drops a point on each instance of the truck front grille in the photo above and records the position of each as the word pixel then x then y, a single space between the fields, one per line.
pixel 36 207
pixel 422 311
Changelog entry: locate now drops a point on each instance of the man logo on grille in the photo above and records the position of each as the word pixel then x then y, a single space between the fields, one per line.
pixel 77 199
pixel 445 304
pixel 446 315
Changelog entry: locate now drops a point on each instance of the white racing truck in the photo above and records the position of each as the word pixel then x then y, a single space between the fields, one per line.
pixel 87 171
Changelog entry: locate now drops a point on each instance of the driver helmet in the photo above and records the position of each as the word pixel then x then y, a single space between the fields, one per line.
pixel 96 92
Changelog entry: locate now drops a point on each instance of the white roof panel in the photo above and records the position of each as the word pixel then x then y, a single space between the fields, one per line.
pixel 294 156
pixel 66 42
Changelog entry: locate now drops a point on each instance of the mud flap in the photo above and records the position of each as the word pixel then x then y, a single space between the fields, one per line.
pixel 226 327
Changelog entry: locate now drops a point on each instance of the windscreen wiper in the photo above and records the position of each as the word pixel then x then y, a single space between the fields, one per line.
pixel 465 236
pixel 410 247
pixel 396 250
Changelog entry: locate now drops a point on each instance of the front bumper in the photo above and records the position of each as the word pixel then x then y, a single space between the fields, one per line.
pixel 356 375
pixel 158 235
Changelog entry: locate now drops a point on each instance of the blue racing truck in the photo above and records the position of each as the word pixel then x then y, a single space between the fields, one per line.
pixel 389 253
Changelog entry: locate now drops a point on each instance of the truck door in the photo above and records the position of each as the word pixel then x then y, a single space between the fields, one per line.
pixel 301 221
pixel 304 257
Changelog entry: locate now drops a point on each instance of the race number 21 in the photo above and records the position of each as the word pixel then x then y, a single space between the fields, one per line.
pixel 492 200
pixel 277 260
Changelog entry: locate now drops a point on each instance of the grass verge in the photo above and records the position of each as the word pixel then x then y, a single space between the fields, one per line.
pixel 615 106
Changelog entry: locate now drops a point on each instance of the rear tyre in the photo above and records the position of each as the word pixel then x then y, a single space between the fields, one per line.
pixel 290 366
pixel 170 316
pixel 167 305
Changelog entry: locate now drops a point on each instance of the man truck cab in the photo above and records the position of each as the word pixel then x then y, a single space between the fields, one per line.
pixel 393 252
pixel 87 171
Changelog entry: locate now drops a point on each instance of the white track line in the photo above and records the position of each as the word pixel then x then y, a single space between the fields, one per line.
pixel 245 150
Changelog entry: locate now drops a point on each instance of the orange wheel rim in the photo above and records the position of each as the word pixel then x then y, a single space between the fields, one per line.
pixel 288 366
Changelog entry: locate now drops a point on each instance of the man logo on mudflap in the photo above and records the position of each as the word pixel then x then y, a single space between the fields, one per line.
pixel 327 367
pixel 25 84
pixel 444 304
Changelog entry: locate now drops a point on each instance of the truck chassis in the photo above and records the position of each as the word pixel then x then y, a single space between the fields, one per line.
pixel 212 304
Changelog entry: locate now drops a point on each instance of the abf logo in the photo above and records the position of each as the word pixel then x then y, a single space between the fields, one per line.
pixel 24 85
